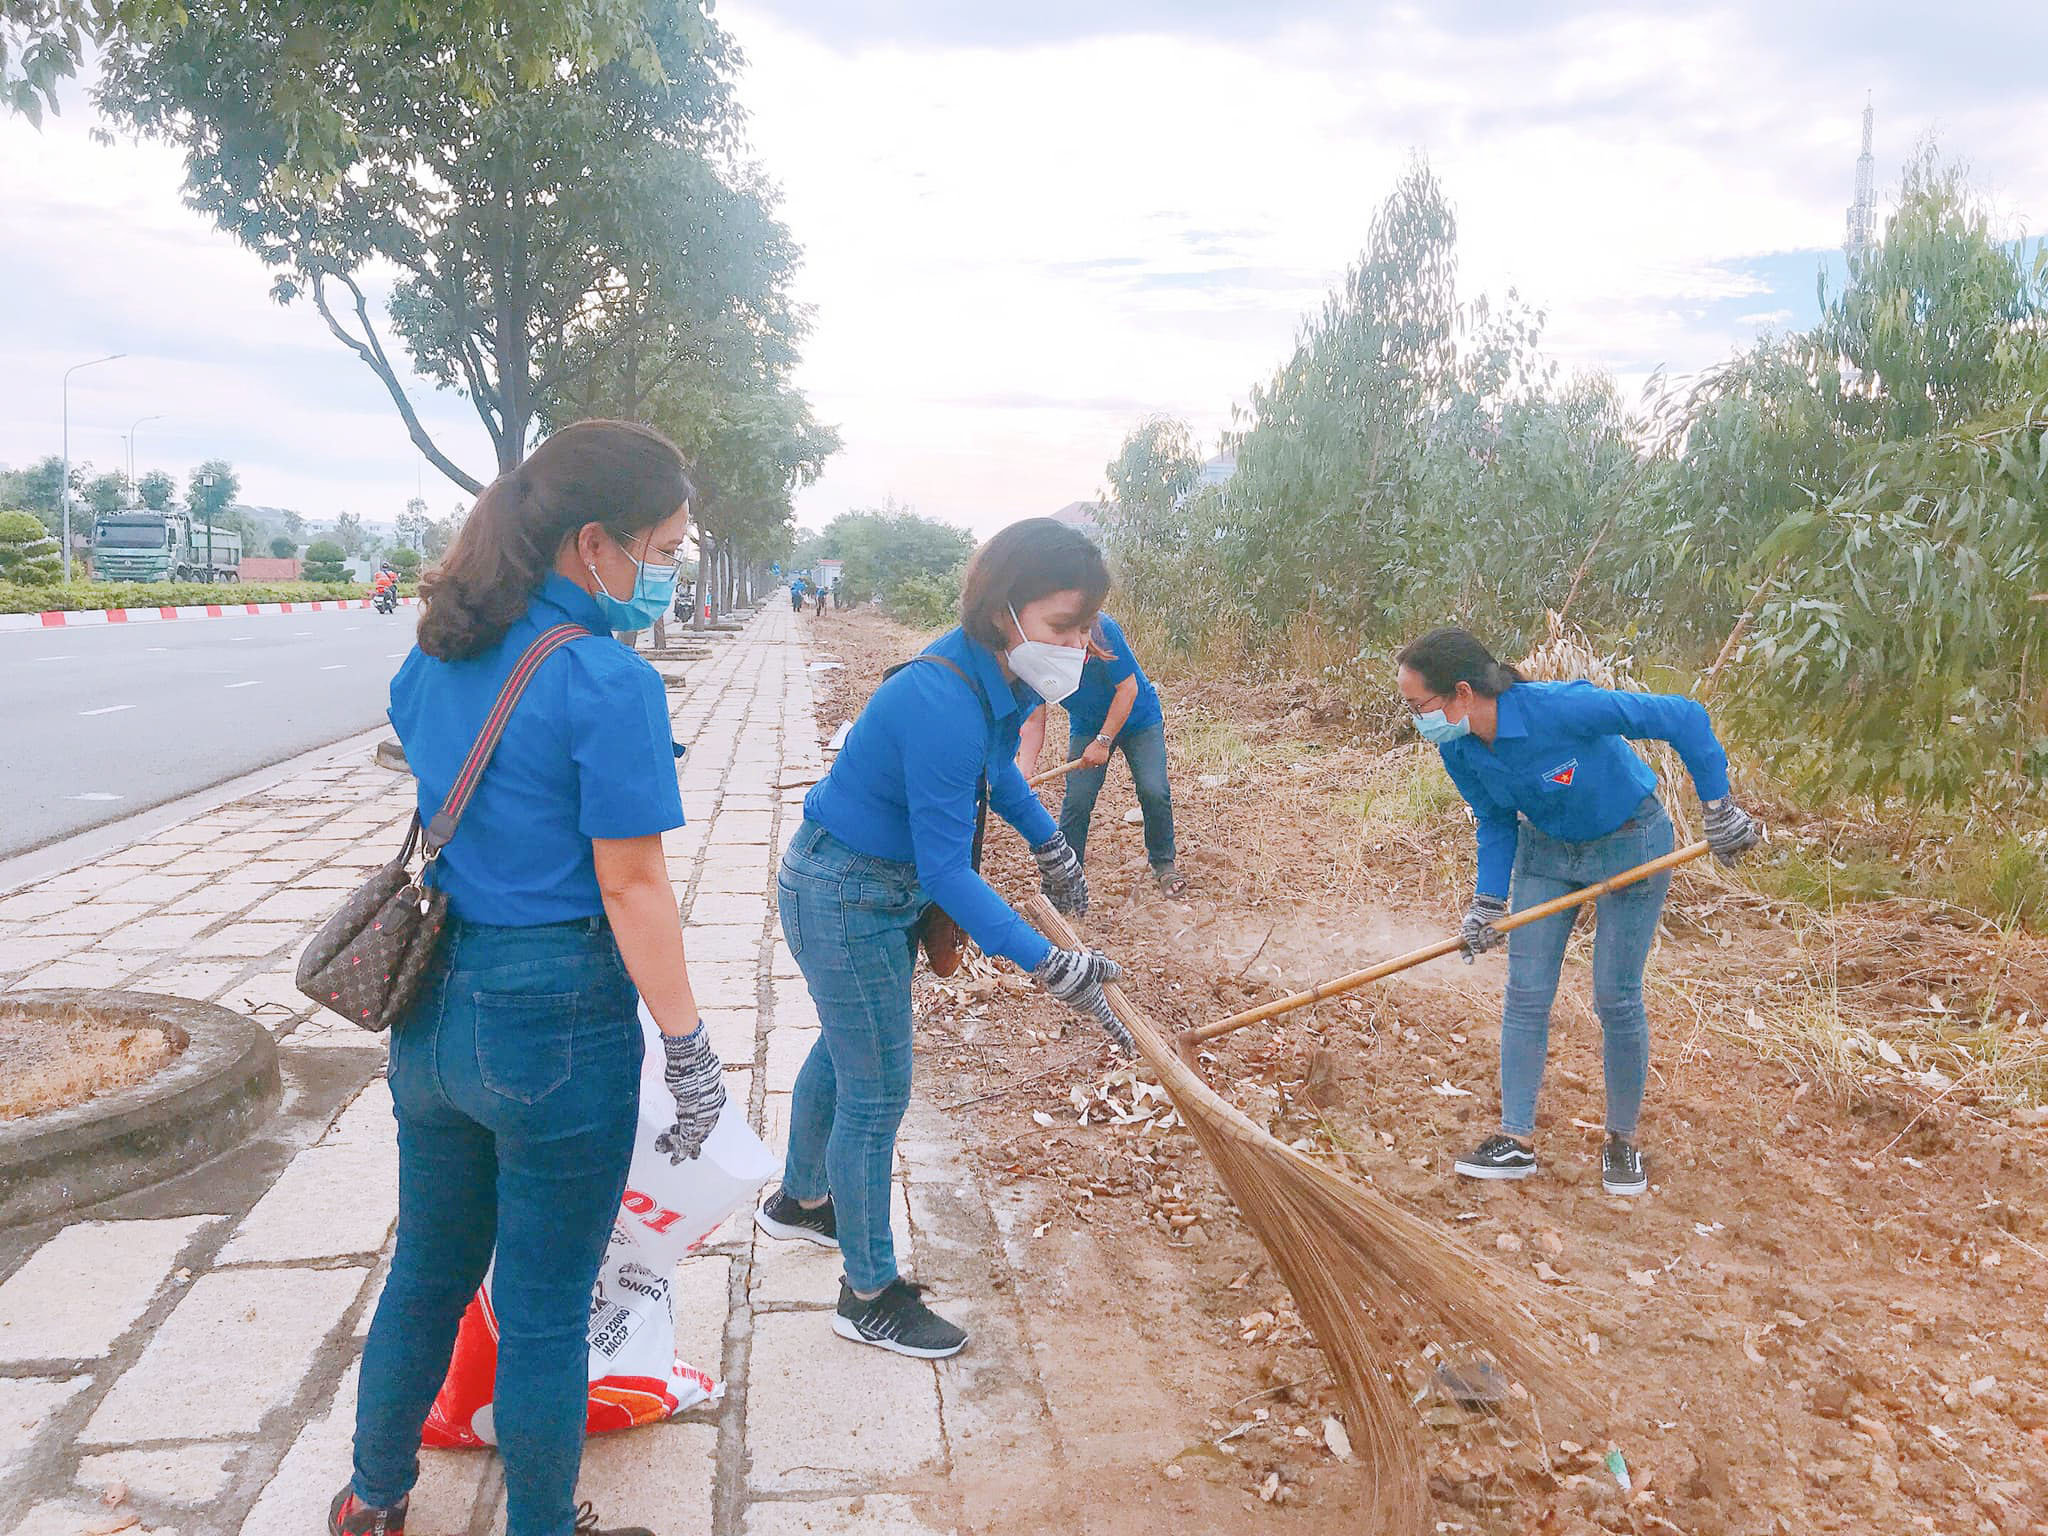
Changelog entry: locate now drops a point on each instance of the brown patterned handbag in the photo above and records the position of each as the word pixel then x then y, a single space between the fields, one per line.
pixel 368 960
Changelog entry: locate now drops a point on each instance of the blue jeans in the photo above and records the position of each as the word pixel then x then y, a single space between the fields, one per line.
pixel 851 922
pixel 515 1081
pixel 1546 868
pixel 1145 751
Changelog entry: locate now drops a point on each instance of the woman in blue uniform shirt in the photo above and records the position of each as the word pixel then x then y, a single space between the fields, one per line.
pixel 890 831
pixel 515 1076
pixel 1563 802
pixel 1115 708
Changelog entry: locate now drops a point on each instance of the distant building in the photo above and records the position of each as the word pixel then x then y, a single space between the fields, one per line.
pixel 1217 471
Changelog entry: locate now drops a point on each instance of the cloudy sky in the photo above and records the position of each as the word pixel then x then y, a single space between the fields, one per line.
pixel 1027 226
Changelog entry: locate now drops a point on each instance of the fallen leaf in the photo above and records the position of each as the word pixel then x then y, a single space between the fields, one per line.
pixel 1040 1117
pixel 1336 1439
pixel 1451 1091
pixel 1507 1242
pixel 1269 1487
pixel 1551 1242
pixel 1176 1472
pixel 1643 1277
pixel 1545 1273
pixel 1749 1348
pixel 1982 1385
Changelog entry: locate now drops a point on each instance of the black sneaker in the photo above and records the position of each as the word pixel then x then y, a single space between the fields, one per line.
pixel 586 1525
pixel 782 1215
pixel 1498 1157
pixel 346 1517
pixel 898 1320
pixel 1621 1167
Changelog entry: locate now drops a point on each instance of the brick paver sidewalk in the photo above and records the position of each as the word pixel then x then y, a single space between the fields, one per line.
pixel 195 1343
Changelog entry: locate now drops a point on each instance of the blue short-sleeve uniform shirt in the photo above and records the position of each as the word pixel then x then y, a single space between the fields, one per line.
pixel 1088 705
pixel 588 753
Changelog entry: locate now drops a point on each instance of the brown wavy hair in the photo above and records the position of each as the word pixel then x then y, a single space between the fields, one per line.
pixel 618 473
pixel 1021 564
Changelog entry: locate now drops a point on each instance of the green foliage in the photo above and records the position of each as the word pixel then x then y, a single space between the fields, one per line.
pixel 16 597
pixel 28 555
pixel 351 537
pixel 34 489
pixel 925 601
pixel 211 490
pixel 406 561
pixel 1870 493
pixel 530 227
pixel 325 561
pixel 1909 641
pixel 105 493
pixel 894 554
pixel 282 548
pixel 157 490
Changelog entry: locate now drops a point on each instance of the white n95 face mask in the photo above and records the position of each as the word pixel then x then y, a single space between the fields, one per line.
pixel 1053 671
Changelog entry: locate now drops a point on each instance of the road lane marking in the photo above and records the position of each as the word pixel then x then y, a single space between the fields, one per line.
pixel 67 656
pixel 337 667
pixel 97 794
pixel 297 632
pixel 396 655
pixel 156 647
pixel 250 684
pixel 105 709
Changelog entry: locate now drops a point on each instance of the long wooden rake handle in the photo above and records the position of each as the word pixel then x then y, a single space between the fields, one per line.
pixel 1442 947
pixel 1055 773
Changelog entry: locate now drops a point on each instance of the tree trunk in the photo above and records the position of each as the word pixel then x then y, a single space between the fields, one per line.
pixel 707 547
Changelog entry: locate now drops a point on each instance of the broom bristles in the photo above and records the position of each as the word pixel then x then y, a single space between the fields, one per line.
pixel 1358 1266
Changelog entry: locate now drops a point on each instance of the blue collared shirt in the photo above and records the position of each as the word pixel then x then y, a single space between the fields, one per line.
pixel 1559 758
pixel 904 786
pixel 588 753
pixel 1088 705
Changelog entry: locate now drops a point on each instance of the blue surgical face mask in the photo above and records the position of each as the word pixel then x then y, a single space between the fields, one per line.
pixel 654 590
pixel 1437 730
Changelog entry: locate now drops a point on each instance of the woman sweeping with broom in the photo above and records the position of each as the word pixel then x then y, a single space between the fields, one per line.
pixel 1563 802
pixel 893 831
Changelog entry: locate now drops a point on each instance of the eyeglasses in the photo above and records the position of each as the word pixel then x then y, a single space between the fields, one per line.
pixel 652 557
pixel 1430 702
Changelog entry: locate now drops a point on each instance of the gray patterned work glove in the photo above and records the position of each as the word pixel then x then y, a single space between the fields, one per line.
pixel 1060 876
pixel 696 1078
pixel 1477 930
pixel 1075 977
pixel 1731 831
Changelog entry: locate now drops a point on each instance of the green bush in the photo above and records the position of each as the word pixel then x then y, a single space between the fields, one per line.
pixel 925 601
pixel 405 560
pixel 282 548
pixel 326 562
pixel 77 596
pixel 28 555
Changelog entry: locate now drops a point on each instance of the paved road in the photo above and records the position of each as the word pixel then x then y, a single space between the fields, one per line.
pixel 103 722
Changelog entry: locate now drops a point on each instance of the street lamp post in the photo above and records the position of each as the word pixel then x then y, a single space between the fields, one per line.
pixel 131 448
pixel 64 486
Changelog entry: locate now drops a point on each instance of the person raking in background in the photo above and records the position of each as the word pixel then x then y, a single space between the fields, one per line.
pixel 820 609
pixel 1116 708
pixel 515 1077
pixel 796 594
pixel 1564 802
pixel 893 829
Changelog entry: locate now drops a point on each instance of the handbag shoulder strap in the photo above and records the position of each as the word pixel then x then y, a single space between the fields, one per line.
pixel 988 716
pixel 544 645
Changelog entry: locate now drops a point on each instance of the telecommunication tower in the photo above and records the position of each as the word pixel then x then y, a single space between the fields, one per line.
pixel 1862 214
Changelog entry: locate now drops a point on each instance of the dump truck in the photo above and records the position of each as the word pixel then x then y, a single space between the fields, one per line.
pixel 163 546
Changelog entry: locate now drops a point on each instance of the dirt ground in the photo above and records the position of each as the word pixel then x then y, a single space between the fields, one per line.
pixel 1829 1314
pixel 55 1061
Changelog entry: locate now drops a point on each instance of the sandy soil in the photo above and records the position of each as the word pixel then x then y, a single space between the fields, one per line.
pixel 1830 1313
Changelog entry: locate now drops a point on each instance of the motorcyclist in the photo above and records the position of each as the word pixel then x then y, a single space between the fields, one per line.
pixel 384 587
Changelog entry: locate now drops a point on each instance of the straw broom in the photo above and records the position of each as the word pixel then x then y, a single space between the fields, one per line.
pixel 1359 1267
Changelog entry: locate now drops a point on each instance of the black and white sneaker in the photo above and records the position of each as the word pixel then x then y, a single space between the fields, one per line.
pixel 1621 1167
pixel 782 1215
pixel 1498 1157
pixel 897 1320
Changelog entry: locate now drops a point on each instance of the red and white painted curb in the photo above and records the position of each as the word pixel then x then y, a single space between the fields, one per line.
pixel 60 618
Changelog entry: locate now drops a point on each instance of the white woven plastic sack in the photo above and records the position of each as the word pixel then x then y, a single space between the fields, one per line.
pixel 668 1210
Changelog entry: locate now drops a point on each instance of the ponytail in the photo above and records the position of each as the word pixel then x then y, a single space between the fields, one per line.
pixel 1444 658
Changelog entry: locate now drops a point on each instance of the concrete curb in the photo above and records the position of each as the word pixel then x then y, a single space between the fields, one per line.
pixel 67 618
pixel 219 1089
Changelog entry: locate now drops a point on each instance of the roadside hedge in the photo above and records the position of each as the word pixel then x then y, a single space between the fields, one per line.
pixel 16 598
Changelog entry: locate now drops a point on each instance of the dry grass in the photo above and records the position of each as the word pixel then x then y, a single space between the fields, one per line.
pixel 1361 1269
pixel 54 1060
